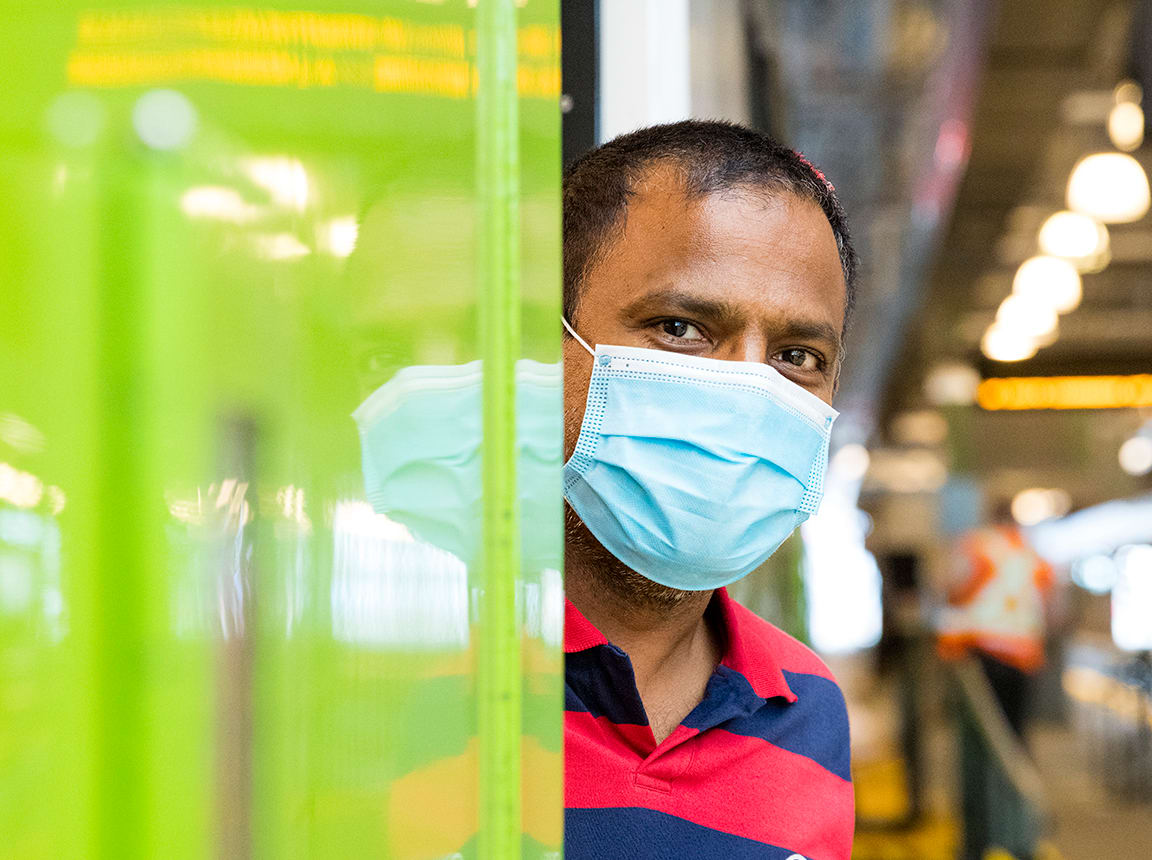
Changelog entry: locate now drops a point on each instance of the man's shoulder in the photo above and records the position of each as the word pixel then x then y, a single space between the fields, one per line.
pixel 764 640
pixel 817 718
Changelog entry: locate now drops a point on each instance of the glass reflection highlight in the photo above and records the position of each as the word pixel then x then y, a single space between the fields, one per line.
pixel 390 590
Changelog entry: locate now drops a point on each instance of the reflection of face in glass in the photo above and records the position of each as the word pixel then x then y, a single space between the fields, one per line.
pixel 422 435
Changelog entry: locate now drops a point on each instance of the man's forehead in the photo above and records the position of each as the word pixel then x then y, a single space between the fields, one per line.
pixel 732 255
pixel 785 235
pixel 662 212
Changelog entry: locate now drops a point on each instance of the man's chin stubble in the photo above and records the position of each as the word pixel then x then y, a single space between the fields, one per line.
pixel 588 555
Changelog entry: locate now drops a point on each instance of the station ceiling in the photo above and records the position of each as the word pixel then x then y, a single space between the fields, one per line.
pixel 1045 90
pixel 950 128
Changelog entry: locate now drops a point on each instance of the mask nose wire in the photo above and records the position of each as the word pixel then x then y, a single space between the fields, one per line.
pixel 581 340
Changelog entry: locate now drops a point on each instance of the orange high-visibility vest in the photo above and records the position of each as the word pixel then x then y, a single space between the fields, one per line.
pixel 999 607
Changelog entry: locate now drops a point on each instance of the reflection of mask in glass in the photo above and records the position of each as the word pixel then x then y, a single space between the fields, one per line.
pixel 692 471
pixel 421 435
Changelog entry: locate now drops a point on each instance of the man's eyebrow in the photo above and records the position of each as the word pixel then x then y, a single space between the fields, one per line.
pixel 673 299
pixel 811 330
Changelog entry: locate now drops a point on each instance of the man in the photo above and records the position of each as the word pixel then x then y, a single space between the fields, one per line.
pixel 708 275
pixel 999 600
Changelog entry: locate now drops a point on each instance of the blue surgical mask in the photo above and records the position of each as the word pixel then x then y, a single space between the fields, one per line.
pixel 692 471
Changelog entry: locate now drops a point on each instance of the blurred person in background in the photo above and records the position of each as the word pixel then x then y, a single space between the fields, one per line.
pixel 999 599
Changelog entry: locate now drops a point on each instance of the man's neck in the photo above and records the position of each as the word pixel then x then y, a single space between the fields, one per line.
pixel 668 642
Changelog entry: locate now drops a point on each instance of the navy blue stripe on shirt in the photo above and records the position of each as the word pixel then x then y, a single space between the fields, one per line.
pixel 814 726
pixel 635 833
pixel 600 680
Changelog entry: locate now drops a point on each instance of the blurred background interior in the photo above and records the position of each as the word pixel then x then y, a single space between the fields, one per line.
pixel 247 248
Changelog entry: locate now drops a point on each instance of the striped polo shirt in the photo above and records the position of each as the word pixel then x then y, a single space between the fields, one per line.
pixel 759 769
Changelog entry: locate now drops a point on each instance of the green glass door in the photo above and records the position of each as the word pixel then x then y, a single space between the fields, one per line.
pixel 279 388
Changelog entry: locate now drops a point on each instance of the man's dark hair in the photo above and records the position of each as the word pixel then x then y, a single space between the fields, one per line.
pixel 711 156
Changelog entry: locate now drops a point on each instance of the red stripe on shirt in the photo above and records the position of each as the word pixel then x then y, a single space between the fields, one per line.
pixel 739 785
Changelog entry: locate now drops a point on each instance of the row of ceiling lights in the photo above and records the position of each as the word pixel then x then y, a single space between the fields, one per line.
pixel 1104 188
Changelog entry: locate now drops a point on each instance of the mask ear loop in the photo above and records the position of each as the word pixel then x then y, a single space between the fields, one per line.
pixel 581 340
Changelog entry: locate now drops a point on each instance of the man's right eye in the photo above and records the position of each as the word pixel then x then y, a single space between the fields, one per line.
pixel 681 330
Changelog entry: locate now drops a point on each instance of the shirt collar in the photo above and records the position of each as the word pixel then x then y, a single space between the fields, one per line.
pixel 749 651
pixel 746 652
pixel 579 633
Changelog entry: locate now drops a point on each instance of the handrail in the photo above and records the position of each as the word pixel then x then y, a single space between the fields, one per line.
pixel 993 725
pixel 1005 804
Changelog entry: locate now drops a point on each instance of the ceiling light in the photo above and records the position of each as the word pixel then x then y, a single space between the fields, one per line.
pixel 1036 505
pixel 1027 316
pixel 1136 455
pixel 217 202
pixel 1000 344
pixel 339 235
pixel 164 119
pixel 1046 340
pixel 920 427
pixel 1081 241
pixel 1110 187
pixel 19 488
pixel 914 470
pixel 280 246
pixel 1048 281
pixel 952 384
pixel 1126 126
pixel 1128 91
pixel 76 118
pixel 285 180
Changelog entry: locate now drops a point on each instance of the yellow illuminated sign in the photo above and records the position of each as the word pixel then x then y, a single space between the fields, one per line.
pixel 267 47
pixel 1066 392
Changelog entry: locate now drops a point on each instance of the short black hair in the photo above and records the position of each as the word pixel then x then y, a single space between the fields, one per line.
pixel 711 156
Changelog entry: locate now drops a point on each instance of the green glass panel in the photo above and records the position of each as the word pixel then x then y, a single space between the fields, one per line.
pixel 280 519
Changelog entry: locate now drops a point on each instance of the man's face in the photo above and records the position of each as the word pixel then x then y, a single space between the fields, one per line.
pixel 737 276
